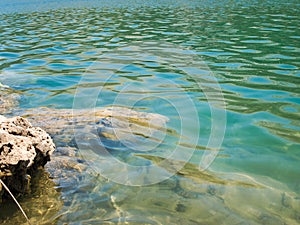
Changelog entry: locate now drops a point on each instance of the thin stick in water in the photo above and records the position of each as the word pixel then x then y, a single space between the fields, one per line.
pixel 13 197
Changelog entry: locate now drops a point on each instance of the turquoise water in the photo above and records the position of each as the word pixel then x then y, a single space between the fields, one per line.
pixel 166 57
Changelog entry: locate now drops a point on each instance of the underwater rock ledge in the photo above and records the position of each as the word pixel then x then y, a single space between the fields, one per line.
pixel 23 149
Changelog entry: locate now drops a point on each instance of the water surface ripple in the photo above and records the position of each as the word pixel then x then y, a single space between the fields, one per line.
pixel 252 48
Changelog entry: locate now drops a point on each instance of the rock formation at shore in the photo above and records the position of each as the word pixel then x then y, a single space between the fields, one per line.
pixel 23 148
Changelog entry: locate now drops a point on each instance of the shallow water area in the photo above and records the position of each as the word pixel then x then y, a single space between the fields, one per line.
pixel 225 70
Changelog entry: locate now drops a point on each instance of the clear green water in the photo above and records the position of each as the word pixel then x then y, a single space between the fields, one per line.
pixel 150 49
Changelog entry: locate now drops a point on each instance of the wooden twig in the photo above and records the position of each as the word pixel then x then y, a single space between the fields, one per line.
pixel 13 197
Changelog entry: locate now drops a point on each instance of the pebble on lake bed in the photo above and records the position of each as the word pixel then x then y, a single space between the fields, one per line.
pixel 23 148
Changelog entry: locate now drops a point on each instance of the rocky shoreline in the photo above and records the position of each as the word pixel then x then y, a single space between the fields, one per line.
pixel 24 146
pixel 23 149
pixel 63 185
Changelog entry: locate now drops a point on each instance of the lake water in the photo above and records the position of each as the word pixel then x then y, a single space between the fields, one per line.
pixel 226 75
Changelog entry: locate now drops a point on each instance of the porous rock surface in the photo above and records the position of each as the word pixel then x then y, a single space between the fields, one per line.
pixel 23 148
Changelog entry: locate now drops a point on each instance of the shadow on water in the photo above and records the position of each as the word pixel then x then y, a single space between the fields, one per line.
pixel 41 204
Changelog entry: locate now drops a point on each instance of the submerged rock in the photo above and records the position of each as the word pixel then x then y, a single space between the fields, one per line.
pixel 8 100
pixel 113 126
pixel 23 148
